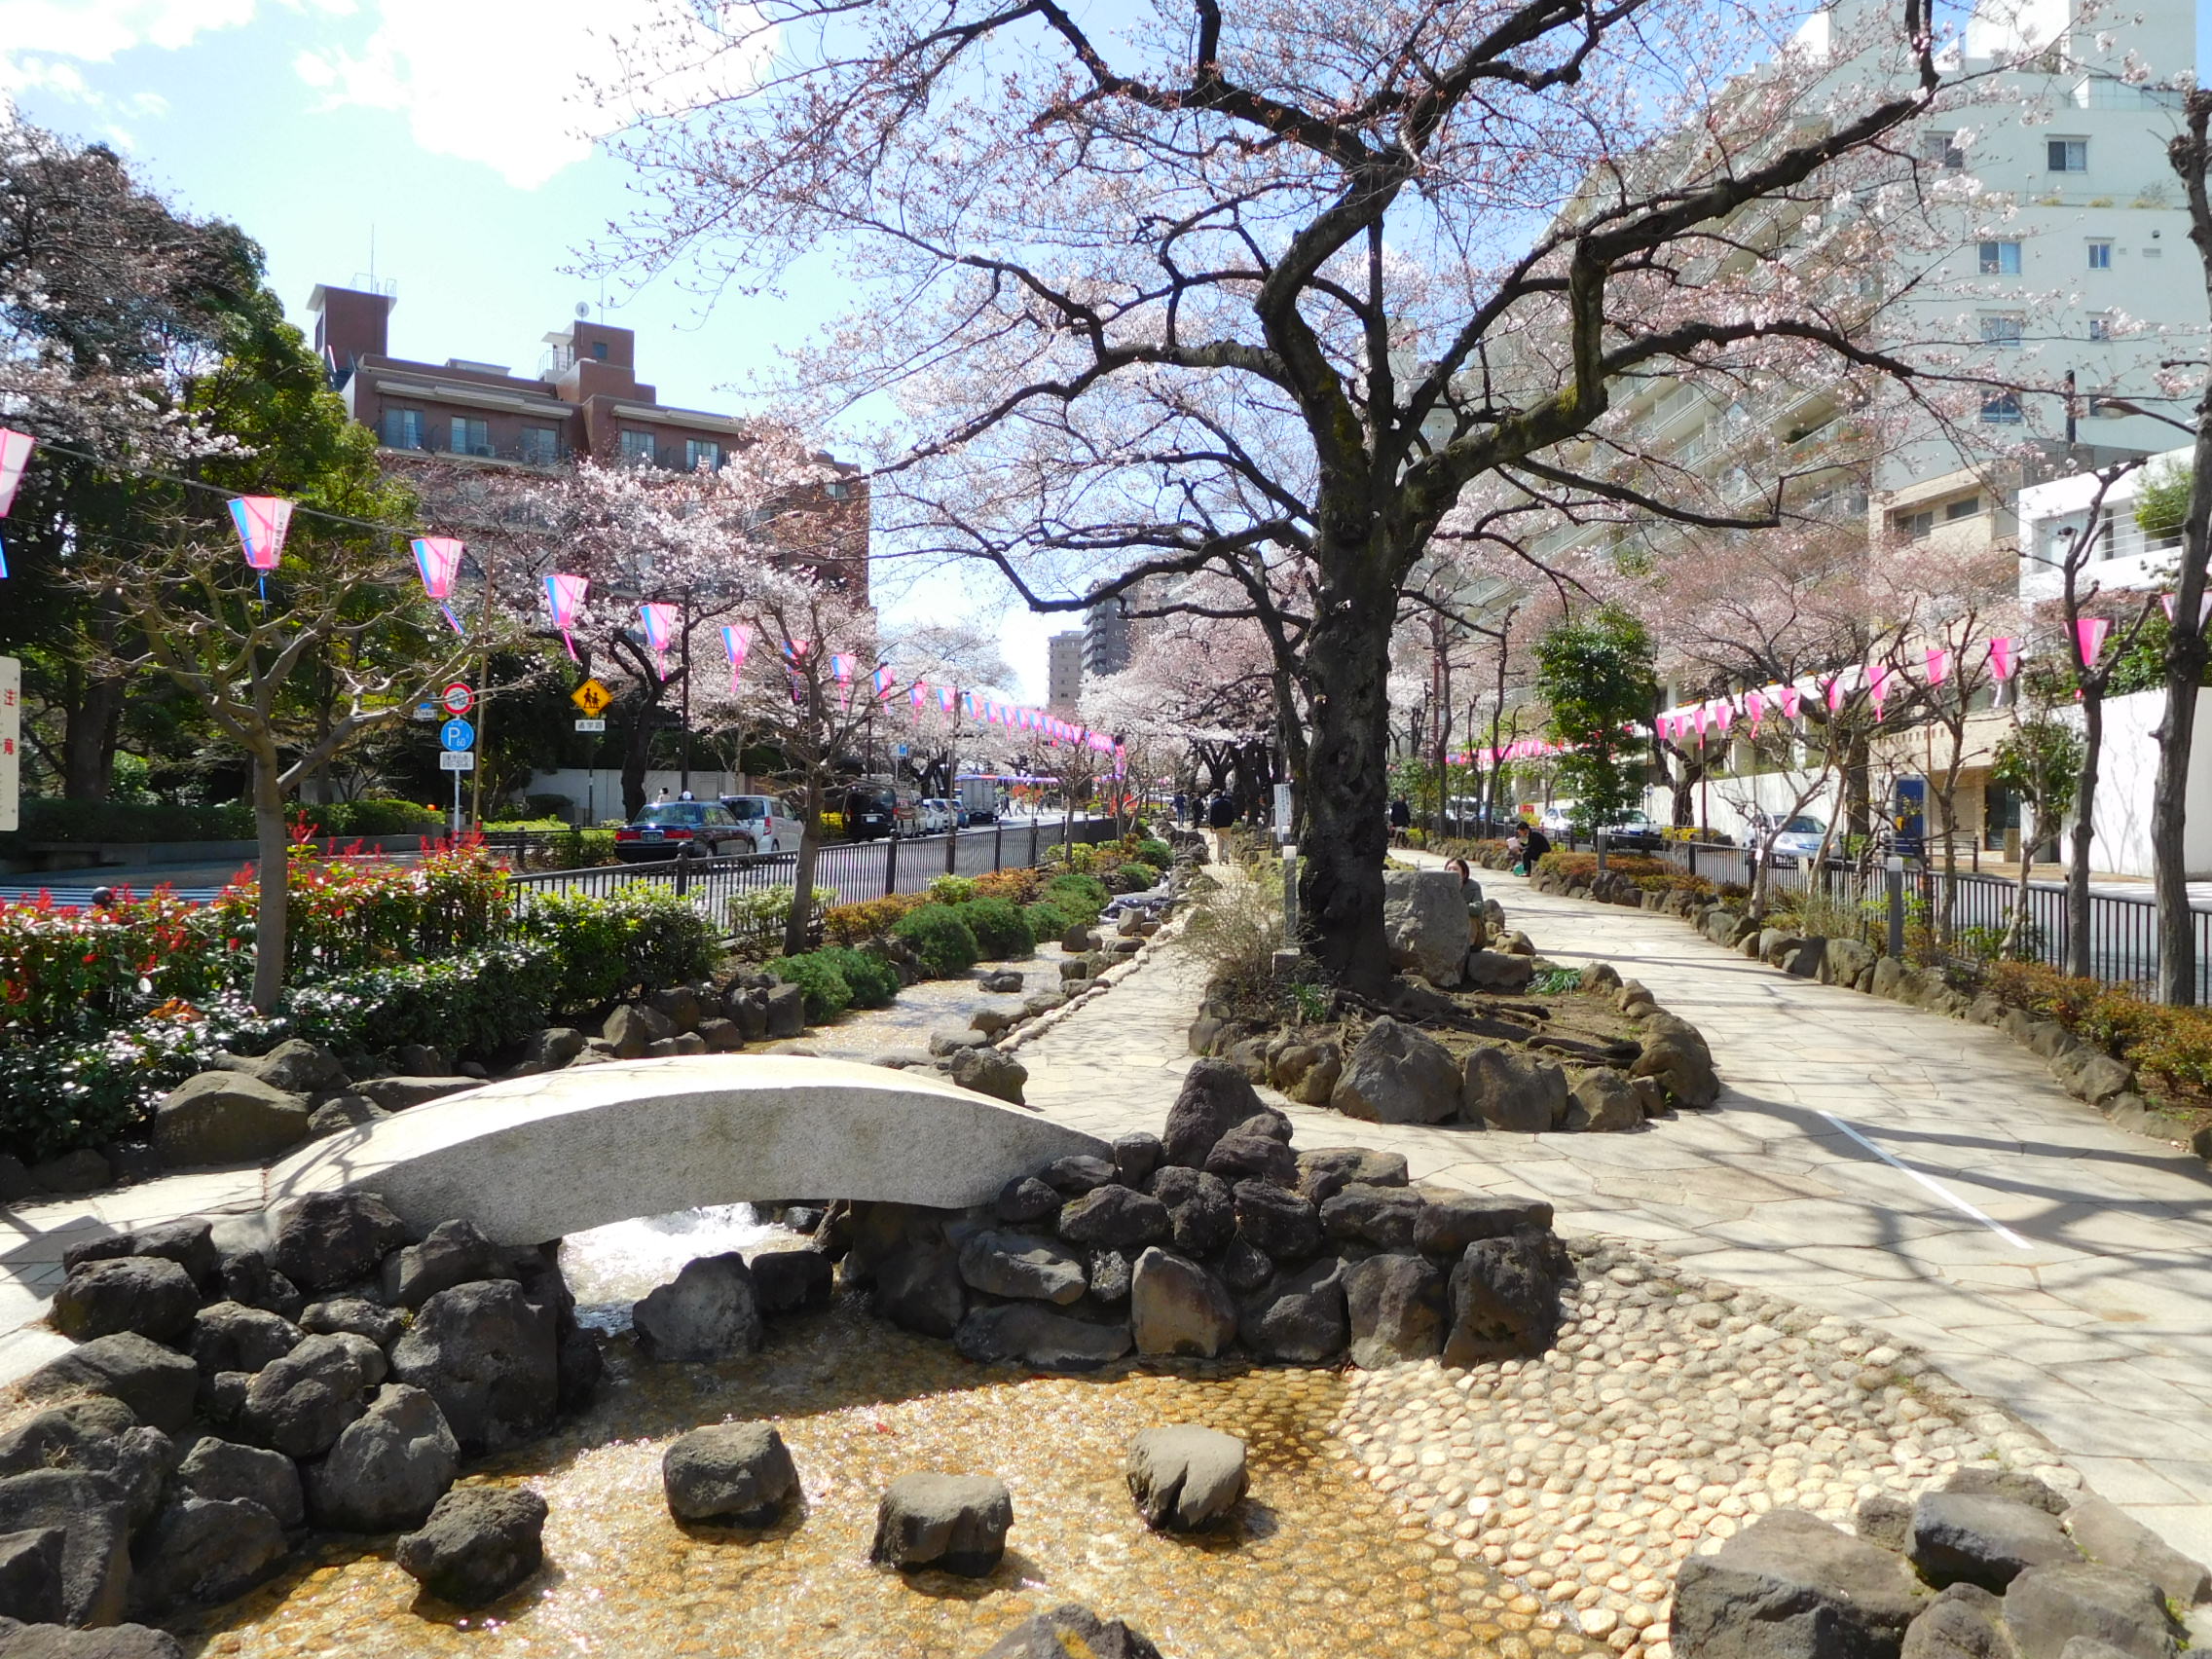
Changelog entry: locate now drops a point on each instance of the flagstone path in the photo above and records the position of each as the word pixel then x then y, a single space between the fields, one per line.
pixel 1916 1173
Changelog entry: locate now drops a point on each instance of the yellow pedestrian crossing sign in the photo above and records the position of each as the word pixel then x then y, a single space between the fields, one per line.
pixel 591 697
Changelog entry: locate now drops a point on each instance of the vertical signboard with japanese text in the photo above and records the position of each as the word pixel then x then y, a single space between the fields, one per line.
pixel 11 740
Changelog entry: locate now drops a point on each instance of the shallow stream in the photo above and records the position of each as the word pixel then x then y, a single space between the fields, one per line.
pixel 1319 1566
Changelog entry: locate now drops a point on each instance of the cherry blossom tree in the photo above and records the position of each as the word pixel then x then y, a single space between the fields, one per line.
pixel 1266 288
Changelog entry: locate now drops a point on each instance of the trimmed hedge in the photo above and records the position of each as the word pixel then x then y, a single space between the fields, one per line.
pixel 1158 853
pixel 2170 1046
pixel 823 992
pixel 1000 929
pixel 873 981
pixel 943 943
pixel 1046 921
pixel 1078 897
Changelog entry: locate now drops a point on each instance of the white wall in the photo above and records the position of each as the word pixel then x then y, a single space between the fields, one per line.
pixel 1725 801
pixel 597 793
pixel 2127 770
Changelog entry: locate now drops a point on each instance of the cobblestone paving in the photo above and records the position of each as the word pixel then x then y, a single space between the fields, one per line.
pixel 2044 1260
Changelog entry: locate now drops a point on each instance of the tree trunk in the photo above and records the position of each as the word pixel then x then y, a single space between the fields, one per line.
pixel 1348 794
pixel 637 751
pixel 2084 833
pixel 2176 734
pixel 799 921
pixel 2016 930
pixel 272 850
pixel 87 739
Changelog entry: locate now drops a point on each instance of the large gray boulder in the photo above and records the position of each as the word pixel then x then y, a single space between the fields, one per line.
pixel 1298 1318
pixel 1202 1214
pixel 1504 1298
pixel 732 1474
pixel 952 1522
pixel 1424 922
pixel 228 1336
pixel 30 1575
pixel 298 1066
pixel 489 1357
pixel 227 1117
pixel 2114 1538
pixel 1512 1091
pixel 1115 1217
pixel 1959 1537
pixel 1603 1101
pixel 1450 1222
pixel 1791 1586
pixel 203 1550
pixel 1239 1155
pixel 145 1294
pixel 226 1470
pixel 1176 1307
pixel 1185 1478
pixel 188 1242
pixel 1024 1266
pixel 1675 1056
pixel 326 1241
pixel 479 1544
pixel 387 1468
pixel 1396 1306
pixel 452 1253
pixel 300 1404
pixel 1964 1622
pixel 1325 1171
pixel 710 1312
pixel 95 1523
pixel 1500 970
pixel 1215 1097
pixel 1396 1075
pixel 2046 1607
pixel 101 1437
pixel 1030 1333
pixel 158 1384
pixel 1068 1631
pixel 1385 1217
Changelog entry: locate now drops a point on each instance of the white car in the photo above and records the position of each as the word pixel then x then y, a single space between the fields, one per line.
pixel 930 816
pixel 767 820
pixel 1555 820
pixel 1800 839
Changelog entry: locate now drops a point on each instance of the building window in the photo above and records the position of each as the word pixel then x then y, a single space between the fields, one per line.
pixel 2100 328
pixel 839 490
pixel 2001 258
pixel 637 448
pixel 471 437
pixel 1916 526
pixel 2067 155
pixel 598 351
pixel 540 445
pixel 2003 332
pixel 1943 150
pixel 403 428
pixel 1965 507
pixel 2001 408
pixel 2100 256
pixel 698 453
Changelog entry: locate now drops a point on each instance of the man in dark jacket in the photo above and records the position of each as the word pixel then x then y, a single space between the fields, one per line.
pixel 1221 811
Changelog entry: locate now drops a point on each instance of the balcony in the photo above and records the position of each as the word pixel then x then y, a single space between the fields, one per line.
pixel 494 454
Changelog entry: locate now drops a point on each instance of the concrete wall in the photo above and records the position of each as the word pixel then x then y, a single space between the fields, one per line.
pixel 2127 770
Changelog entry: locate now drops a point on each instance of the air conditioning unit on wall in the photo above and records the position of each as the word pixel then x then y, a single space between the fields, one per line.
pixel 484 450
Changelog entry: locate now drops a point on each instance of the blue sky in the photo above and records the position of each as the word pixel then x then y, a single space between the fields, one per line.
pixel 450 131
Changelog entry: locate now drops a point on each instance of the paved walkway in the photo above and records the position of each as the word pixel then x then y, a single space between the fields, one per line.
pixel 1889 1165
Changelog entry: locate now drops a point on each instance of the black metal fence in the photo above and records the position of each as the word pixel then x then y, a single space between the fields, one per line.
pixel 852 869
pixel 2123 933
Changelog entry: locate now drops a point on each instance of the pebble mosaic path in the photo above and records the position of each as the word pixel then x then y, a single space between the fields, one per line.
pixel 1917 1175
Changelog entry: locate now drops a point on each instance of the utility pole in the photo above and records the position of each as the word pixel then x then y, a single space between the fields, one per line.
pixel 683 746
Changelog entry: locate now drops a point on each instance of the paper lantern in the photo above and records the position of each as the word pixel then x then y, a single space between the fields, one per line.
pixel 1754 706
pixel 882 682
pixel 565 599
pixel 15 456
pixel 262 521
pixel 1938 665
pixel 2002 657
pixel 2090 633
pixel 737 640
pixel 438 558
pixel 2203 603
pixel 1793 701
pixel 660 631
pixel 1723 715
pixel 1835 693
pixel 1878 686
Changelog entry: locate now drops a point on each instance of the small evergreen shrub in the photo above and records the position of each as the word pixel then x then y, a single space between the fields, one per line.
pixel 1000 928
pixel 1078 897
pixel 943 943
pixel 824 991
pixel 1046 921
pixel 1158 854
pixel 873 981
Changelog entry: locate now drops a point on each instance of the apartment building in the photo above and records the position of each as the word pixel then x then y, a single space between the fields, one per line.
pixel 1065 669
pixel 584 401
pixel 1111 628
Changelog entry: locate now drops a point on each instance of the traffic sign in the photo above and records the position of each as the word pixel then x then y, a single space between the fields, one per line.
pixel 426 712
pixel 458 735
pixel 458 761
pixel 459 699
pixel 591 725
pixel 591 697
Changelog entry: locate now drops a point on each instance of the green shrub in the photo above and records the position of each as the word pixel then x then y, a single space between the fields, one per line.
pixel 1080 897
pixel 941 941
pixel 638 938
pixel 476 1002
pixel 340 819
pixel 952 889
pixel 875 981
pixel 1131 877
pixel 81 820
pixel 65 1093
pixel 1046 921
pixel 1158 854
pixel 761 914
pixel 1000 929
pixel 823 989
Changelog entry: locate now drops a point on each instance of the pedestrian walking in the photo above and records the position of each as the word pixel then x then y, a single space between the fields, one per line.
pixel 1401 819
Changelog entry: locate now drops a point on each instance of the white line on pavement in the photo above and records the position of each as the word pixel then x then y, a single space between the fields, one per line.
pixel 1948 1197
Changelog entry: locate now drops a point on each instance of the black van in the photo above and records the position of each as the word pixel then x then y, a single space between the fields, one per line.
pixel 872 810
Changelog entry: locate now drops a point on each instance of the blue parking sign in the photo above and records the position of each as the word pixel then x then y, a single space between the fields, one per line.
pixel 458 735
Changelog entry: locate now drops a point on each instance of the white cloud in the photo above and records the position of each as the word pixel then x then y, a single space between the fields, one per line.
pixel 499 82
pixel 94 32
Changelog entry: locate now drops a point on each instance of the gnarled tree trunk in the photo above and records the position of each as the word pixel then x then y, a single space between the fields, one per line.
pixel 1348 792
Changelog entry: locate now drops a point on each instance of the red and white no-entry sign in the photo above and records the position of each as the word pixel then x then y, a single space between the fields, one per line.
pixel 459 699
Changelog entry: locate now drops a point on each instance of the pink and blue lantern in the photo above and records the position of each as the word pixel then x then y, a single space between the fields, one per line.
pixel 438 558
pixel 737 640
pixel 15 456
pixel 660 631
pixel 262 521
pixel 565 599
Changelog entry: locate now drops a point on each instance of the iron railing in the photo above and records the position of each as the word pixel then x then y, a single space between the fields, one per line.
pixel 2123 933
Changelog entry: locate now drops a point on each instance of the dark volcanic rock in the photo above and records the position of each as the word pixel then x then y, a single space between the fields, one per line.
pixel 953 1522
pixel 1385 1217
pixel 387 1468
pixel 479 1544
pixel 735 1474
pixel 1504 1298
pixel 1298 1316
pixel 145 1294
pixel 354 1314
pixel 1960 1537
pixel 1328 1170
pixel 299 1404
pixel 156 1382
pixel 1215 1097
pixel 1396 1307
pixel 30 1575
pixel 1028 1200
pixel 1447 1224
pixel 708 1313
pixel 230 1336
pixel 921 1290
pixel 203 1550
pixel 1242 1156
pixel 328 1239
pixel 1033 1335
pixel 1071 1632
pixel 792 1281
pixel 95 1550
pixel 1113 1217
pixel 1201 1217
pixel 1791 1586
pixel 454 1253
pixel 224 1469
pixel 489 1357
pixel 1284 1225
pixel 1185 1478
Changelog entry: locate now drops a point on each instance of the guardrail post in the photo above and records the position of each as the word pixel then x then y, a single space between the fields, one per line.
pixel 997 843
pixel 1690 848
pixel 682 875
pixel 1032 839
pixel 1893 886
pixel 953 845
pixel 1599 836
pixel 891 863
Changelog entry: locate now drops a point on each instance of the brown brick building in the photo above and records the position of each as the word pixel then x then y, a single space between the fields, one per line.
pixel 585 401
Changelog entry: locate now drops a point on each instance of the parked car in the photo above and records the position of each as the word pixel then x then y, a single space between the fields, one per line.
pixel 873 811
pixel 929 817
pixel 1557 821
pixel 1634 832
pixel 681 828
pixel 767 821
pixel 1798 842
